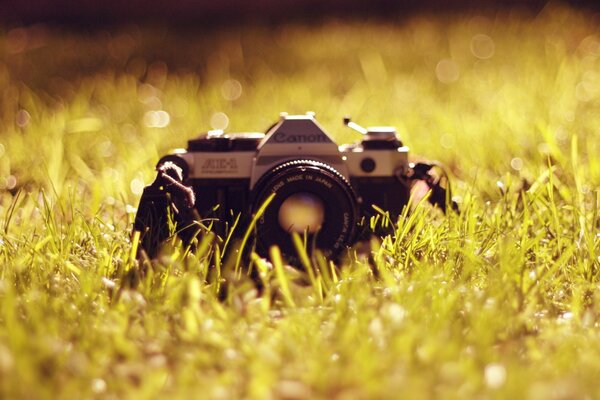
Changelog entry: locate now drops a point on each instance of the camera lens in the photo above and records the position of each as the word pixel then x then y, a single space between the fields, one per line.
pixel 311 198
pixel 302 212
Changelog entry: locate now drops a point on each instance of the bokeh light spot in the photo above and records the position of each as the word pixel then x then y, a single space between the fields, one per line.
pixel 495 375
pixel 219 120
pixel 157 119
pixel 98 385
pixel 137 186
pixel 516 164
pixel 231 89
pixel 447 71
pixel 22 118
pixel 482 46
pixel 11 182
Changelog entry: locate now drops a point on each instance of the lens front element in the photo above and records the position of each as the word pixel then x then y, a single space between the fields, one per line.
pixel 302 212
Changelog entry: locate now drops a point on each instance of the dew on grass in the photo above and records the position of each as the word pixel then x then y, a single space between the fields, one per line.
pixel 208 324
pixel 565 317
pixel 495 375
pixel 98 385
pixel 532 275
pixel 108 283
pixel 501 187
pixel 396 313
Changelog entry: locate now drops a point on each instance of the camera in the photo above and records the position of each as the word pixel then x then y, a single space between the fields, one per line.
pixel 293 178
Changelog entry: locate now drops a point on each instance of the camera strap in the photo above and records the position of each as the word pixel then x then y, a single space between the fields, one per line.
pixel 165 201
pixel 438 184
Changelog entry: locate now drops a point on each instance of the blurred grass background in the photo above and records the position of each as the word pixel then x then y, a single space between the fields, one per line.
pixel 478 92
pixel 500 301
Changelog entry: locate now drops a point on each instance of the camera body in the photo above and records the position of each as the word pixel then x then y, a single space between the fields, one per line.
pixel 293 178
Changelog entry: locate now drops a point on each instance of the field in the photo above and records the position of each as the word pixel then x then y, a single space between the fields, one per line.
pixel 499 301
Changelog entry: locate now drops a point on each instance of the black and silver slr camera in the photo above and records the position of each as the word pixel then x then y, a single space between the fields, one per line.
pixel 293 178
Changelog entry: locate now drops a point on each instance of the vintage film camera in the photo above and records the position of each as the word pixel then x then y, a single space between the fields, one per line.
pixel 324 192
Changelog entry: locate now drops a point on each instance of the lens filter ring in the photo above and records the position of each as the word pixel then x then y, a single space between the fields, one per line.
pixel 320 188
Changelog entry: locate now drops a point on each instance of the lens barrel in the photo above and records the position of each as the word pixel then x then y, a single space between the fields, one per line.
pixel 314 186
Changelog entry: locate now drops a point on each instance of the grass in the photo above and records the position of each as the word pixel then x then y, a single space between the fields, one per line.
pixel 500 301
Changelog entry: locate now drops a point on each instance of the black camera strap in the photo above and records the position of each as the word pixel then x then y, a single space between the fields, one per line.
pixel 166 201
pixel 439 184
